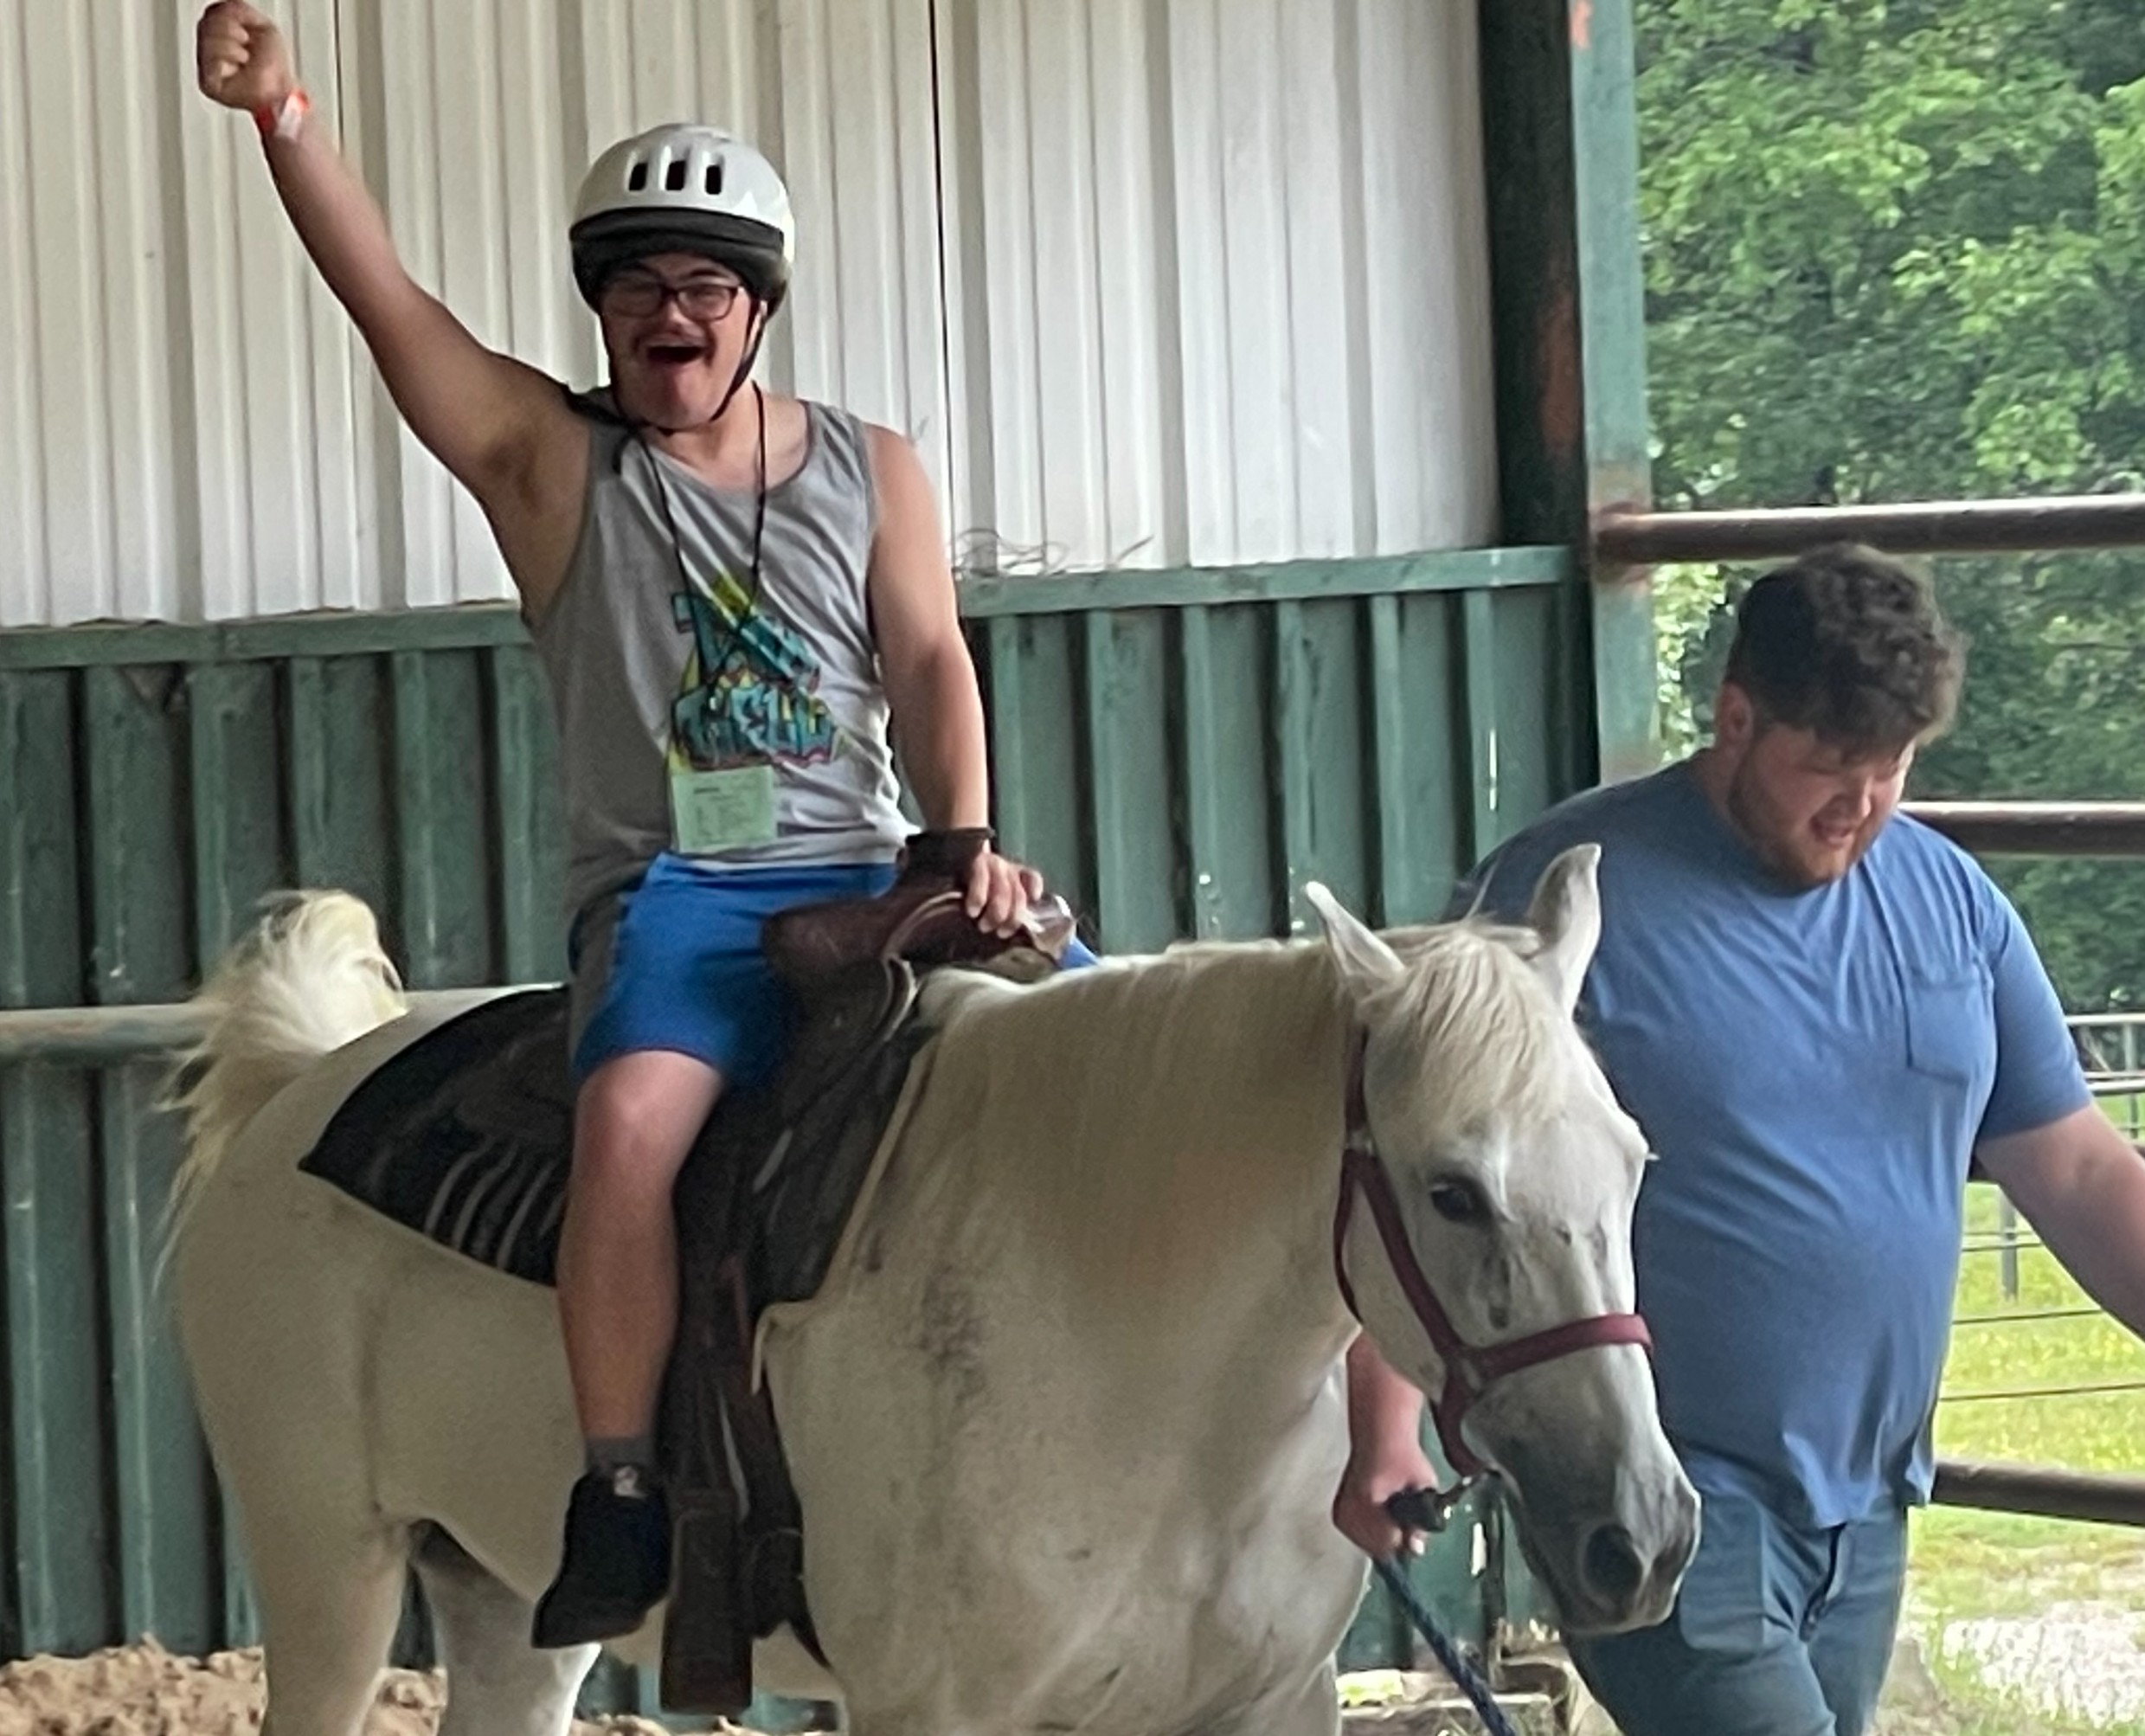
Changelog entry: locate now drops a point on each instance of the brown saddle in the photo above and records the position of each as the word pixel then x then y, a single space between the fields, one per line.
pixel 760 1208
pixel 920 918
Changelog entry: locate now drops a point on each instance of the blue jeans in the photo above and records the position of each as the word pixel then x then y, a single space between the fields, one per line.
pixel 1780 1629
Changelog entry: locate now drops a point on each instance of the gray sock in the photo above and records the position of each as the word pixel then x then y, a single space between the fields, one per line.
pixel 627 1461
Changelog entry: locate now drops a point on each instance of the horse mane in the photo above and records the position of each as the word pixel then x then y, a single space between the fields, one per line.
pixel 1470 1005
pixel 1138 1124
pixel 1194 1068
pixel 1152 1128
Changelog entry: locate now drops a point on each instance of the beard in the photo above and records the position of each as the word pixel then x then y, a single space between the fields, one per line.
pixel 1779 844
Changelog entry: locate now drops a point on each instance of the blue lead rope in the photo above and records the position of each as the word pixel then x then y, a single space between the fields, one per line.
pixel 1430 1510
pixel 1464 1674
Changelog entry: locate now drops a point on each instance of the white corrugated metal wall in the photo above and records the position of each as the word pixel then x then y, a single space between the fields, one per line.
pixel 1151 284
pixel 1220 282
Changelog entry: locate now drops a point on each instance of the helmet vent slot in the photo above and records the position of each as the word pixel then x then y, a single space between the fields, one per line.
pixel 674 176
pixel 637 177
pixel 714 179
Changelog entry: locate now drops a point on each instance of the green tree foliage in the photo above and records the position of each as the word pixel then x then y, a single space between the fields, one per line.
pixel 1896 251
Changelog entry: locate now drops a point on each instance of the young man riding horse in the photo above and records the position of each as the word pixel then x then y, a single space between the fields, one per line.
pixel 737 596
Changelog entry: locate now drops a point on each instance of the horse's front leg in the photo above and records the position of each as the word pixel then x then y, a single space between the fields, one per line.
pixel 1310 1706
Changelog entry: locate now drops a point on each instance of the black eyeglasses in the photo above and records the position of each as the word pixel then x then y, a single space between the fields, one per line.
pixel 637 295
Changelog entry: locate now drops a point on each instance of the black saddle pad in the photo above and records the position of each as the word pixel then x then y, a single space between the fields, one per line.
pixel 466 1136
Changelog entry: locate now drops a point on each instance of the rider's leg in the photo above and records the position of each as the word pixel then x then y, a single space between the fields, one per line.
pixel 673 1002
pixel 674 999
pixel 635 1120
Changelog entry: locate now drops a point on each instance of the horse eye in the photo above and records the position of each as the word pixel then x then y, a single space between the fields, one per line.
pixel 1459 1202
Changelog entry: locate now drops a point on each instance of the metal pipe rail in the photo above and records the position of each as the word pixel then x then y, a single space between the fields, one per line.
pixel 104 1036
pixel 2042 1490
pixel 2037 828
pixel 1931 527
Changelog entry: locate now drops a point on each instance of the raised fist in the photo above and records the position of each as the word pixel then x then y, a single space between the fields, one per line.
pixel 240 57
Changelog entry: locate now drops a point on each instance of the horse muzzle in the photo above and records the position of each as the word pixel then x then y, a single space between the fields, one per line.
pixel 1612 1553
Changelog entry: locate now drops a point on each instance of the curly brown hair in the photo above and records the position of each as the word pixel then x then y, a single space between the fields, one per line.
pixel 1848 643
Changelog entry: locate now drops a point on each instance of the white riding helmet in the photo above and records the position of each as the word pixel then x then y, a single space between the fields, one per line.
pixel 688 189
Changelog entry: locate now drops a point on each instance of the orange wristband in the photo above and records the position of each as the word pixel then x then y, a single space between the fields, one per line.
pixel 283 119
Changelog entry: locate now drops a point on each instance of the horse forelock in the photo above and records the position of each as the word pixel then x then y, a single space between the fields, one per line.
pixel 1487 1031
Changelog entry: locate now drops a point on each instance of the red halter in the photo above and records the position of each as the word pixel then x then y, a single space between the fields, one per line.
pixel 1468 1368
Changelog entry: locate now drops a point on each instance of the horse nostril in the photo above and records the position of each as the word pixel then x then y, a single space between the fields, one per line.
pixel 1611 1565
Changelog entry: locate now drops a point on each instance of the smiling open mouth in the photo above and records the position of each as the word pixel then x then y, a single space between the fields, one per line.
pixel 676 355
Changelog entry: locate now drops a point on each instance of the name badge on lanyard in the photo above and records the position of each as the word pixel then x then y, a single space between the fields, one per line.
pixel 712 812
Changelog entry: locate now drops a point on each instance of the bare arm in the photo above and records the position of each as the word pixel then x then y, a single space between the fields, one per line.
pixel 2081 1185
pixel 499 426
pixel 1385 1455
pixel 930 679
pixel 923 660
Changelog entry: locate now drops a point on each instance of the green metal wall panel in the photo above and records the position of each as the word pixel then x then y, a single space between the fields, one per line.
pixel 529 818
pixel 441 828
pixel 52 1593
pixel 148 806
pixel 1179 765
pixel 60 1534
pixel 1184 771
pixel 136 726
pixel 1123 717
pixel 1321 696
pixel 341 791
pixel 1034 759
pixel 1415 740
pixel 1222 701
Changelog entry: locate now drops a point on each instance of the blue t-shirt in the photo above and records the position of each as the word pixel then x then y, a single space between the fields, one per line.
pixel 1814 1069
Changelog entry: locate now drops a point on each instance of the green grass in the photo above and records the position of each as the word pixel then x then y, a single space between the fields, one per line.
pixel 1979 1711
pixel 2103 1431
pixel 1967 1564
pixel 2127 1113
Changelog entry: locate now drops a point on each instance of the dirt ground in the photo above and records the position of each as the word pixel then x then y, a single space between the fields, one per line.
pixel 145 1691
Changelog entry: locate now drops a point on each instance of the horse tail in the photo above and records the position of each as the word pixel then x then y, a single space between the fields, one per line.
pixel 310 977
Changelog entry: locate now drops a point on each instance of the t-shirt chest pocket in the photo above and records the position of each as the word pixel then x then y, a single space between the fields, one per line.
pixel 1951 1021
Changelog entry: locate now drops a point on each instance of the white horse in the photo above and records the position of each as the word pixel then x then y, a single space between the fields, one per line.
pixel 1066 1417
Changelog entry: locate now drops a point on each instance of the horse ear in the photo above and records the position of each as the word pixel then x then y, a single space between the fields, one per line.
pixel 1567 911
pixel 1364 959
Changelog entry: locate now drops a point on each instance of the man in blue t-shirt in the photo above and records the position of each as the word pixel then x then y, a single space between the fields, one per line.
pixel 1818 1012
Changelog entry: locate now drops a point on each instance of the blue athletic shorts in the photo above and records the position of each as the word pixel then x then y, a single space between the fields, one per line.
pixel 673 962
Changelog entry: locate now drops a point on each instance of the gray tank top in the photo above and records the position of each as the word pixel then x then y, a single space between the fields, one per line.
pixel 655 673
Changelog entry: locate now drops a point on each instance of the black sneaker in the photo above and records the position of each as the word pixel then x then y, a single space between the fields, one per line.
pixel 617 1563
